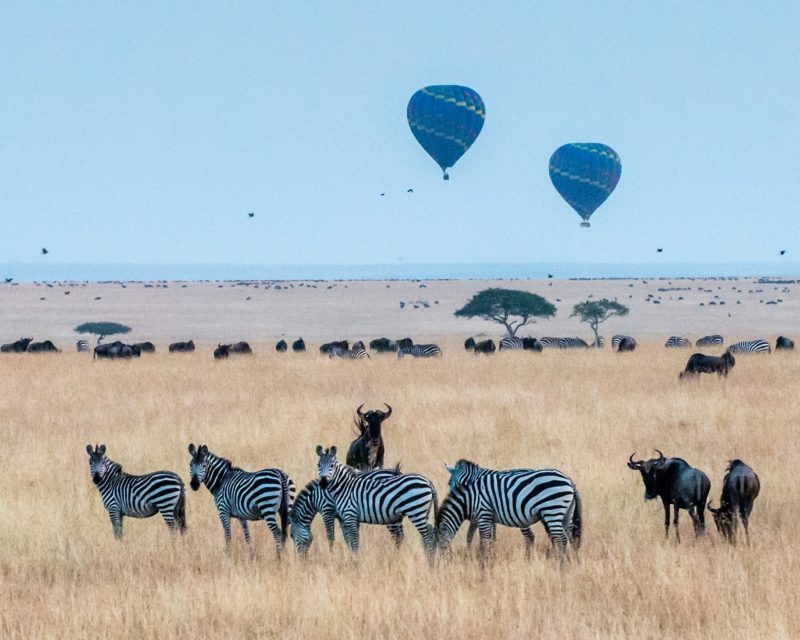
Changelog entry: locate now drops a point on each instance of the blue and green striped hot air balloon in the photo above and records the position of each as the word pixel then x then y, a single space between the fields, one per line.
pixel 446 120
pixel 585 174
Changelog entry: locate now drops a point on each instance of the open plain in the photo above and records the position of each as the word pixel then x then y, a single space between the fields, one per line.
pixel 64 575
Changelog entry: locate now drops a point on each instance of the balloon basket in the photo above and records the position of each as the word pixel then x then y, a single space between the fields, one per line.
pixel 585 224
pixel 445 177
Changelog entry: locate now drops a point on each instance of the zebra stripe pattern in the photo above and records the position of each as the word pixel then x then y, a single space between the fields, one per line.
pixel 358 352
pixel 420 351
pixel 563 343
pixel 708 341
pixel 137 496
pixel 258 495
pixel 377 499
pixel 615 340
pixel 510 343
pixel 516 498
pixel 750 346
pixel 81 346
pixel 674 342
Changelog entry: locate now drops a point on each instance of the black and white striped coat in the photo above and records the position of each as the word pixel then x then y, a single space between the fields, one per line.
pixel 563 343
pixel 244 495
pixel 137 496
pixel 708 341
pixel 420 351
pixel 750 346
pixel 357 352
pixel 510 343
pixel 677 342
pixel 377 499
pixel 81 346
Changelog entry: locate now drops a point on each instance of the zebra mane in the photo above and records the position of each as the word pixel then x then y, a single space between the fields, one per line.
pixel 469 464
pixel 301 497
pixel 450 498
pixel 114 467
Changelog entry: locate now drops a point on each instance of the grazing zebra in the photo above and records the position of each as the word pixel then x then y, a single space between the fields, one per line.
pixel 675 342
pixel 517 498
pixel 377 499
pixel 615 340
pixel 750 346
pixel 358 352
pixel 572 343
pixel 510 343
pixel 137 496
pixel 81 346
pixel 708 341
pixel 550 341
pixel 420 351
pixel 258 495
pixel 313 499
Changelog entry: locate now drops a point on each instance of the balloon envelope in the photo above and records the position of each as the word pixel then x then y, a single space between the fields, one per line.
pixel 446 120
pixel 585 174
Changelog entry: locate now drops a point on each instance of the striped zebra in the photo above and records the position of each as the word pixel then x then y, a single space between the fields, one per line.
pixel 313 499
pixel 517 498
pixel 377 499
pixel 510 343
pixel 708 341
pixel 81 346
pixel 420 351
pixel 615 340
pixel 677 342
pixel 357 352
pixel 137 496
pixel 258 495
pixel 572 343
pixel 750 346
pixel 550 342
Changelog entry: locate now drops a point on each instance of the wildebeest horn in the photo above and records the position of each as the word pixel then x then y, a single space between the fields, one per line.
pixel 710 508
pixel 388 413
pixel 358 411
pixel 632 463
pixel 660 455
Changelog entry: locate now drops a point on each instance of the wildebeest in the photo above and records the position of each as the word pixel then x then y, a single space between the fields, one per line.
pixel 145 347
pixel 469 344
pixel 240 347
pixel 699 363
pixel 222 351
pixel 627 343
pixel 181 347
pixel 116 349
pixel 485 346
pixel 298 345
pixel 677 484
pixel 383 345
pixel 43 347
pixel 20 346
pixel 531 344
pixel 740 487
pixel 366 451
pixel 281 346
pixel 326 348
pixel 784 344
pixel 404 343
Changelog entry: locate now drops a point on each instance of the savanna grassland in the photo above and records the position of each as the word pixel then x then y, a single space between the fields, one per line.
pixel 63 574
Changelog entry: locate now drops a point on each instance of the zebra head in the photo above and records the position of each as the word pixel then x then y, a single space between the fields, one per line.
pixel 300 517
pixel 328 465
pixel 462 474
pixel 198 465
pixel 98 463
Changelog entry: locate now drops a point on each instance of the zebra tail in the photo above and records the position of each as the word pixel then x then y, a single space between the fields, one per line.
pixel 180 511
pixel 576 524
pixel 287 501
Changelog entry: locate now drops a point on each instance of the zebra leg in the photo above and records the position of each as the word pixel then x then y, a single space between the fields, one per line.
pixel 558 536
pixel 225 519
pixel 246 532
pixel 397 533
pixel 420 522
pixel 486 530
pixel 330 533
pixel 527 533
pixel 350 532
pixel 272 523
pixel 471 534
pixel 116 523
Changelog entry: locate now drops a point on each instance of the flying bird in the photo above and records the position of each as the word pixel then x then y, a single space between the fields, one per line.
pixel 383 194
pixel 783 251
pixel 410 191
pixel 549 275
pixel 44 251
pixel 659 249
pixel 251 214
pixel 9 280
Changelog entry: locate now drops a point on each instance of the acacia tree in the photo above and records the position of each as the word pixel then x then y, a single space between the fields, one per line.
pixel 595 312
pixel 511 308
pixel 102 329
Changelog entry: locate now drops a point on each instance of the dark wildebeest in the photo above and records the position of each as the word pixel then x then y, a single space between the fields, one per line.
pixel 20 346
pixel 145 347
pixel 627 343
pixel 298 345
pixel 531 344
pixel 677 484
pixel 281 346
pixel 222 351
pixel 469 344
pixel 43 347
pixel 328 347
pixel 366 451
pixel 181 347
pixel 383 345
pixel 240 347
pixel 486 346
pixel 740 487
pixel 699 363
pixel 116 349
pixel 784 344
pixel 405 343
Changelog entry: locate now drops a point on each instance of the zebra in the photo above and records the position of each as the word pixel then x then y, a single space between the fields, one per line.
pixel 258 495
pixel 615 340
pixel 516 498
pixel 420 351
pixel 550 341
pixel 313 499
pixel 81 346
pixel 358 352
pixel 137 496
pixel 377 499
pixel 750 346
pixel 676 342
pixel 708 341
pixel 573 343
pixel 510 343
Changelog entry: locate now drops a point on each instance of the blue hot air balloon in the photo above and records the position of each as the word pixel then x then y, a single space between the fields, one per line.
pixel 446 120
pixel 585 174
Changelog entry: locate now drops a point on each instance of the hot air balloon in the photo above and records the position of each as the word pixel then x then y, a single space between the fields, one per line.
pixel 585 174
pixel 446 120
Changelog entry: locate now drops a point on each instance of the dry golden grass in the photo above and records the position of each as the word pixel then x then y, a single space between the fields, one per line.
pixel 64 575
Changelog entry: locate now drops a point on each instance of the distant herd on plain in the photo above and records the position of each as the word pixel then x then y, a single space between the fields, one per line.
pixel 362 491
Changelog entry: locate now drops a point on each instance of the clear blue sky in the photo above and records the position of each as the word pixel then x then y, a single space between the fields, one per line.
pixel 145 131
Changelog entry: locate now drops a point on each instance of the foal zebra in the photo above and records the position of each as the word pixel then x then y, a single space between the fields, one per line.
pixel 377 498
pixel 420 351
pixel 81 346
pixel 313 499
pixel 709 341
pixel 137 496
pixel 516 498
pixel 677 342
pixel 258 495
pixel 750 346
pixel 358 352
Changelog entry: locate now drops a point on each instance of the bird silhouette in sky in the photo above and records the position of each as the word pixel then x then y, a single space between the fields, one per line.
pixel 44 251
pixel 410 191
pixel 549 275
pixel 251 214
pixel 659 249
pixel 383 194
pixel 783 251
pixel 9 280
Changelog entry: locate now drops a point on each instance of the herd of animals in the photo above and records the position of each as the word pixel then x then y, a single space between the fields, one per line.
pixel 362 491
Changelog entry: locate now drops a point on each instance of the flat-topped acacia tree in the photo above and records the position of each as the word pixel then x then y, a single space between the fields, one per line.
pixel 595 312
pixel 512 308
pixel 102 329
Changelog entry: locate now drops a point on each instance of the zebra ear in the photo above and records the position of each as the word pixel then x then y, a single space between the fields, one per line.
pixel 319 450
pixel 450 469
pixel 203 449
pixel 192 449
pixel 101 450
pixel 333 450
pixel 89 449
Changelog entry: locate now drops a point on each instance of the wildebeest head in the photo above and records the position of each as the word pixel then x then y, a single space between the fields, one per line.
pixel 650 470
pixel 328 464
pixel 98 463
pixel 724 520
pixel 728 358
pixel 198 465
pixel 369 422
